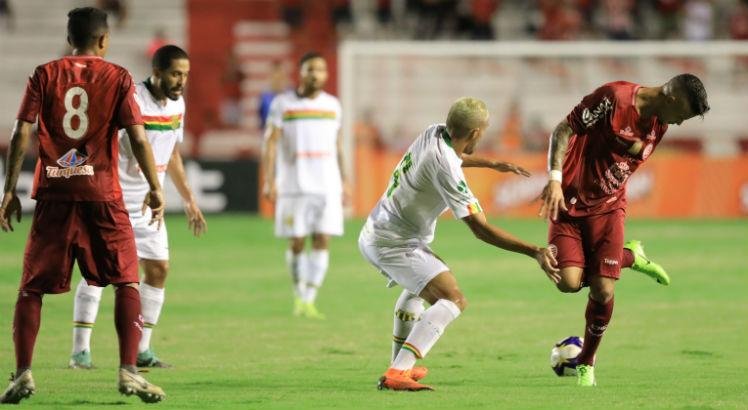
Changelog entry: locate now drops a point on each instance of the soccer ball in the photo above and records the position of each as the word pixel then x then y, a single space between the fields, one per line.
pixel 564 356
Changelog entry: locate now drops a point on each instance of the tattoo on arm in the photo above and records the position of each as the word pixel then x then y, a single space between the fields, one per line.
pixel 558 144
pixel 18 144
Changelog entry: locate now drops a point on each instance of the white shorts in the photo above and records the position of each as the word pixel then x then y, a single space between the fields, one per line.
pixel 151 243
pixel 298 216
pixel 411 266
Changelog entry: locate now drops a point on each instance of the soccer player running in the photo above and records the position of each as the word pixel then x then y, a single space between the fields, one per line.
pixel 160 101
pixel 79 103
pixel 303 143
pixel 428 181
pixel 592 153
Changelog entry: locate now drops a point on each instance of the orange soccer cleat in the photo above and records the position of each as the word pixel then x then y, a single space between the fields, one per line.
pixel 394 379
pixel 419 373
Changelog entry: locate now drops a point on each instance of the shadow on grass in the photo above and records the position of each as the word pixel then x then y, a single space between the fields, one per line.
pixel 92 403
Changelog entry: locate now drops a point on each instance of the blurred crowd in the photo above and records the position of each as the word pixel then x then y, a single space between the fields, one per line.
pixel 535 19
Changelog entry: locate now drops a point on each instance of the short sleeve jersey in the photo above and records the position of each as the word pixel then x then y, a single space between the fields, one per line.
pixel 307 154
pixel 428 181
pixel 610 142
pixel 79 103
pixel 164 127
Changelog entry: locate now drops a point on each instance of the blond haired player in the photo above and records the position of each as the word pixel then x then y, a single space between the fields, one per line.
pixel 160 100
pixel 395 239
pixel 302 162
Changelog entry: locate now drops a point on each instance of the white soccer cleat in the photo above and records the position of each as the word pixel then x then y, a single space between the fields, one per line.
pixel 20 388
pixel 132 383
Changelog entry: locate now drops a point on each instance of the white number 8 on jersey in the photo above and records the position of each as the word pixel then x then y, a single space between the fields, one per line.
pixel 80 112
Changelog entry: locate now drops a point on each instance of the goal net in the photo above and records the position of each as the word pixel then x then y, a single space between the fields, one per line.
pixel 391 91
pixel 400 87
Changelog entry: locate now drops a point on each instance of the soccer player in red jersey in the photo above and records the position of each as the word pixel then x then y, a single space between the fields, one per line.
pixel 79 103
pixel 592 153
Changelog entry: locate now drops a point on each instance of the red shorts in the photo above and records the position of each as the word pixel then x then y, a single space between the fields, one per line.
pixel 594 243
pixel 96 234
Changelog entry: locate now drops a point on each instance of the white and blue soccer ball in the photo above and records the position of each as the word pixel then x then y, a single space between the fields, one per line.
pixel 564 356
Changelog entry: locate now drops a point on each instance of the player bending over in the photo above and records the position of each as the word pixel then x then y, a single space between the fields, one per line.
pixel 80 102
pixel 161 103
pixel 303 143
pixel 592 153
pixel 395 238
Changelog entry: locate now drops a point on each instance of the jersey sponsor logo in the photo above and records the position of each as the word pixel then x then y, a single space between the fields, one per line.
pixel 589 118
pixel 294 115
pixel 647 150
pixel 162 122
pixel 610 262
pixel 626 132
pixel 615 177
pixel 71 163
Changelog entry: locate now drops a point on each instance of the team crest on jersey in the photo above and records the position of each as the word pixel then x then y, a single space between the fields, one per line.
pixel 72 165
pixel 627 132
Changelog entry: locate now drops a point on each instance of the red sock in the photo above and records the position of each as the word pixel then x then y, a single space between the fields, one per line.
pixel 26 321
pixel 628 259
pixel 128 322
pixel 597 315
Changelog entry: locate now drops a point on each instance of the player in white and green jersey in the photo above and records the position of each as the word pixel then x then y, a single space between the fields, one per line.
pixel 395 239
pixel 162 105
pixel 302 162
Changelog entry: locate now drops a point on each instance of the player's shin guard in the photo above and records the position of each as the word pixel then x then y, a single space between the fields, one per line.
pixel 597 316
pixel 85 309
pixel 26 321
pixel 426 332
pixel 408 310
pixel 318 262
pixel 128 322
pixel 297 267
pixel 151 302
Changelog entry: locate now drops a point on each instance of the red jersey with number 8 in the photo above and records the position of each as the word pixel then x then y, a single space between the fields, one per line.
pixel 80 103
pixel 610 142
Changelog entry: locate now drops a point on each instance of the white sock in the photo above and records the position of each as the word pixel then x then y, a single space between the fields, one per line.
pixel 85 309
pixel 151 301
pixel 425 333
pixel 408 309
pixel 297 267
pixel 319 261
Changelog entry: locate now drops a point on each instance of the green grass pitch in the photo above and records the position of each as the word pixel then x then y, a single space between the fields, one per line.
pixel 227 328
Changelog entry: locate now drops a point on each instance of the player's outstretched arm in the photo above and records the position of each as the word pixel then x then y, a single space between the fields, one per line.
pixel 473 161
pixel 272 135
pixel 143 152
pixel 19 142
pixel 553 195
pixel 195 219
pixel 504 240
